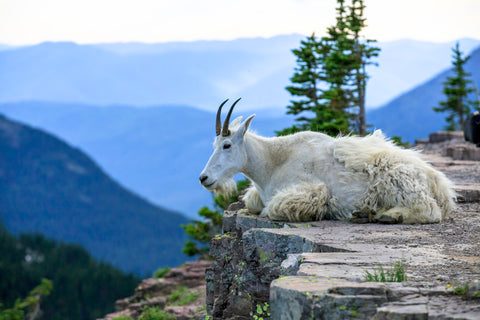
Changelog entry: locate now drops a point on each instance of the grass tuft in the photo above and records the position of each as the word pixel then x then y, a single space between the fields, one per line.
pixel 160 272
pixel 182 296
pixel 397 273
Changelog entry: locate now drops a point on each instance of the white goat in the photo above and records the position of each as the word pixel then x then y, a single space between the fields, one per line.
pixel 311 176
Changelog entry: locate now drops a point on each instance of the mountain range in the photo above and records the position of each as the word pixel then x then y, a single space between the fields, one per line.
pixel 52 188
pixel 196 73
pixel 159 150
pixel 411 114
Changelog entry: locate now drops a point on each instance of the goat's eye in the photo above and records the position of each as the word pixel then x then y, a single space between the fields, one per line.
pixel 226 146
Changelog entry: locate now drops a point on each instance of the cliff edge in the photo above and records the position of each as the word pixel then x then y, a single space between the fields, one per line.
pixel 317 270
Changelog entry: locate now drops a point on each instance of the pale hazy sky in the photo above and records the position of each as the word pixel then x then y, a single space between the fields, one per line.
pixel 93 21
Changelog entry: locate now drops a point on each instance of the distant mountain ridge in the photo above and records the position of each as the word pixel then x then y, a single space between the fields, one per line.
pixel 157 151
pixel 411 115
pixel 195 73
pixel 52 188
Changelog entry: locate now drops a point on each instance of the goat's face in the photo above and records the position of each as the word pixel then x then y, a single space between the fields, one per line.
pixel 229 155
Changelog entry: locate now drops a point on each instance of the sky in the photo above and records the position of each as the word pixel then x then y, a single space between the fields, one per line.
pixel 24 22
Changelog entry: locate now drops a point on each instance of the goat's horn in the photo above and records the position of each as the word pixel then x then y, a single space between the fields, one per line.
pixel 225 131
pixel 218 126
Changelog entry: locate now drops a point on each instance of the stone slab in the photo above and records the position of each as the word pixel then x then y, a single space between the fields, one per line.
pixel 443 136
pixel 468 192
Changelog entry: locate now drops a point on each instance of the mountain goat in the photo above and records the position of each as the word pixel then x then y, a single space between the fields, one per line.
pixel 311 176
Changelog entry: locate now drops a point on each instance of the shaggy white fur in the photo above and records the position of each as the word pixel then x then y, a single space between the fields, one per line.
pixel 311 176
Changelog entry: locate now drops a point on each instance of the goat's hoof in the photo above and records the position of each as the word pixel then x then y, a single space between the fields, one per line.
pixel 236 206
pixel 360 217
pixel 385 219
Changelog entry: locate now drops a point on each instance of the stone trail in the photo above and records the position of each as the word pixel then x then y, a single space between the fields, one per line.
pixel 316 270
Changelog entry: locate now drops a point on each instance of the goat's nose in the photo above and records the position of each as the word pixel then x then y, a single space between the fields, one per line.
pixel 203 178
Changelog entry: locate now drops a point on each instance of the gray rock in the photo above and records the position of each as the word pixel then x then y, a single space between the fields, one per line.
pixel 402 312
pixel 443 136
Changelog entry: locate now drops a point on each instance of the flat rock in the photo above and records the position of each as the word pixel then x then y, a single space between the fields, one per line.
pixel 443 136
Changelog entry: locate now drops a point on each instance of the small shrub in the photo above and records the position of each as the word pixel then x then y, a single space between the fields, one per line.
pixel 397 273
pixel 155 313
pixel 461 290
pixel 467 290
pixel 160 272
pixel 30 305
pixel 263 311
pixel 181 297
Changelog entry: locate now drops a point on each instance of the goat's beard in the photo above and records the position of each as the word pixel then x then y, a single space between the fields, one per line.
pixel 226 187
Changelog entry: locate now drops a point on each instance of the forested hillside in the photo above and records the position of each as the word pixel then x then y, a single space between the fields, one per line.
pixel 83 289
pixel 52 188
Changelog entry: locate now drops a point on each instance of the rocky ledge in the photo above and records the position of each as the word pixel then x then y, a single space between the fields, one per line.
pixel 265 269
pixel 179 294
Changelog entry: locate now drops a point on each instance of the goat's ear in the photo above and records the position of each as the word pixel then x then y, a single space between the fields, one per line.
pixel 247 123
pixel 235 123
pixel 244 126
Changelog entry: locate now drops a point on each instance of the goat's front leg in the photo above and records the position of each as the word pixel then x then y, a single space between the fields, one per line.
pixel 252 201
pixel 303 202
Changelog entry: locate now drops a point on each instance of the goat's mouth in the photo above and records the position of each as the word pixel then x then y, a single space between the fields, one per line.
pixel 209 185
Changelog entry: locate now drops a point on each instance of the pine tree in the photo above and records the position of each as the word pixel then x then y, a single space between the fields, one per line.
pixel 362 52
pixel 305 83
pixel 457 89
pixel 331 76
pixel 338 66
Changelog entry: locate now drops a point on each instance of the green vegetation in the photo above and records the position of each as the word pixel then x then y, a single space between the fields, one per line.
pixel 261 312
pixel 31 304
pixel 182 296
pixel 397 273
pixel 83 289
pixel 155 313
pixel 160 272
pixel 467 291
pixel 330 79
pixel 201 232
pixel 457 90
pixel 461 290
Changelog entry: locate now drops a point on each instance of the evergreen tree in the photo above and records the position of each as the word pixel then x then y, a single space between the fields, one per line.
pixel 306 81
pixel 363 52
pixel 309 82
pixel 331 76
pixel 338 65
pixel 457 89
